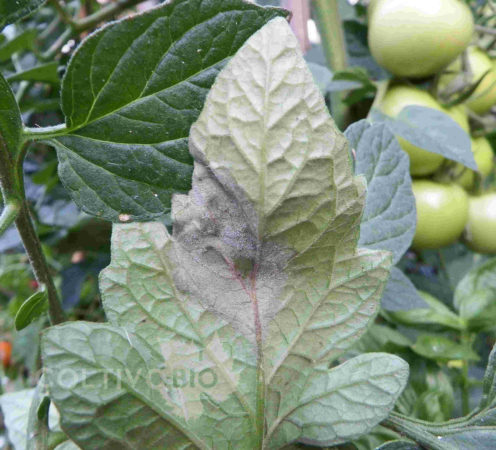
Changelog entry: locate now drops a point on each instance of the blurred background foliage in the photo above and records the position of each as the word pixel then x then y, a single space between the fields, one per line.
pixel 437 342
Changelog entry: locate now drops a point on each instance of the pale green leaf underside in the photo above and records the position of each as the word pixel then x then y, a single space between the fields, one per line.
pixel 260 282
pixel 130 95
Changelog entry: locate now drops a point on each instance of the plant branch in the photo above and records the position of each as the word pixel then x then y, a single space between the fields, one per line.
pixel 103 14
pixel 333 43
pixel 403 426
pixel 10 194
pixel 12 186
pixel 39 263
pixel 55 47
pixel 63 14
pixel 487 30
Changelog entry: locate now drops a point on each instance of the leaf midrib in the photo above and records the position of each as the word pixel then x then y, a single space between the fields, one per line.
pixel 177 296
pixel 331 391
pixel 303 328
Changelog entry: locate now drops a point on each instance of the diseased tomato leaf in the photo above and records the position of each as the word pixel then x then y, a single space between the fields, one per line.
pixel 130 94
pixel 222 334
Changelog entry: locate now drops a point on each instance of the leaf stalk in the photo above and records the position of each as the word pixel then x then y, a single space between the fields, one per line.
pixel 334 45
pixel 17 210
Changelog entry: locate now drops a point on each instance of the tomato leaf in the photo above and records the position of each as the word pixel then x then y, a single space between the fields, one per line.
pixel 400 293
pixel 15 409
pixel 433 131
pixel 489 384
pixel 12 11
pixel 19 43
pixel 432 312
pixel 221 335
pixel 441 348
pixel 10 119
pixel 130 95
pixel 389 217
pixel 43 72
pixel 480 278
pixel 31 309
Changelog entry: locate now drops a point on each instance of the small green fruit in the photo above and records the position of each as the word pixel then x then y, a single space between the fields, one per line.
pixel 480 232
pixel 417 38
pixel 442 212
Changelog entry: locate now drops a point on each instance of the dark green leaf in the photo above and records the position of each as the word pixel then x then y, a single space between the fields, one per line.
pixel 23 41
pixel 31 309
pixel 43 408
pixel 44 72
pixel 358 49
pixel 433 131
pixel 13 10
pixel 441 348
pixel 130 95
pixel 10 119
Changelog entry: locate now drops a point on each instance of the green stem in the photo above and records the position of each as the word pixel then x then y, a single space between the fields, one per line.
pixel 467 339
pixel 57 45
pixel 63 14
pixel 39 263
pixel 402 425
pixel 10 194
pixel 333 43
pixel 103 14
pixel 444 269
pixel 44 133
pixel 12 186
pixel 465 389
pixel 382 87
pixel 487 30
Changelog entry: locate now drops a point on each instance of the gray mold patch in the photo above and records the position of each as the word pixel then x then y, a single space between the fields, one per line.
pixel 218 258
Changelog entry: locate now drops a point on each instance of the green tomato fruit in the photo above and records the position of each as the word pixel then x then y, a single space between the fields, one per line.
pixel 459 115
pixel 484 97
pixel 422 162
pixel 442 211
pixel 484 158
pixel 480 232
pixel 417 38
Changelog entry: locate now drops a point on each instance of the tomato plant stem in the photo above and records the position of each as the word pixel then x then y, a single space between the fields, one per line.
pixel 467 339
pixel 39 263
pixel 103 14
pixel 333 43
pixel 16 209
pixel 63 14
pixel 402 425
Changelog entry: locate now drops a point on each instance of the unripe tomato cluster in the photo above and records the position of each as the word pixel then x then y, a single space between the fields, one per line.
pixel 415 40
